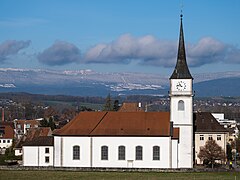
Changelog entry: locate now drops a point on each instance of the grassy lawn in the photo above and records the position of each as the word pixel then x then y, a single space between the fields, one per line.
pixel 28 175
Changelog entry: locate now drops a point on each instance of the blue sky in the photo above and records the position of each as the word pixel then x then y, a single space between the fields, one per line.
pixel 119 35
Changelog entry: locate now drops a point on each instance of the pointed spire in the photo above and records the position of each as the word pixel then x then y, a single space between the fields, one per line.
pixel 181 70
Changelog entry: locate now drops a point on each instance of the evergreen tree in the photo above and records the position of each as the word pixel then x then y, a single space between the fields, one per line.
pixel 48 123
pixel 44 123
pixel 108 104
pixel 116 105
pixel 51 123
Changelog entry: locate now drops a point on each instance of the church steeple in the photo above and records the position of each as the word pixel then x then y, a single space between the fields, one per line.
pixel 181 70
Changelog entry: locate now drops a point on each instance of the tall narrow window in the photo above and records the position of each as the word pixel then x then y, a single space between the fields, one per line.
pixel 201 137
pixel 46 150
pixel 121 153
pixel 218 137
pixel 181 105
pixel 156 153
pixel 46 159
pixel 104 153
pixel 76 152
pixel 139 153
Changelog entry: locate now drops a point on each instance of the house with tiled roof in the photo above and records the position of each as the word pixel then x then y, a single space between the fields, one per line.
pixel 208 128
pixel 30 135
pixel 21 127
pixel 128 139
pixel 38 151
pixel 6 136
pixel 130 107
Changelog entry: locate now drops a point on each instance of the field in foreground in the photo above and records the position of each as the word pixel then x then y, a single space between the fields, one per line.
pixel 28 175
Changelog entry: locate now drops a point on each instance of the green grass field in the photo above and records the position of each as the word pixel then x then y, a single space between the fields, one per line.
pixel 28 175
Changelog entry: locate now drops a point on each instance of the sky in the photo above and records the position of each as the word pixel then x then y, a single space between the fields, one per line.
pixel 119 35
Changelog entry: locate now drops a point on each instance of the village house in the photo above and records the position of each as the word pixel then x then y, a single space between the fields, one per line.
pixel 30 135
pixel 208 128
pixel 21 127
pixel 39 152
pixel 6 136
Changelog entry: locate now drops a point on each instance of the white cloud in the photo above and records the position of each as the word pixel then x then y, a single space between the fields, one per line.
pixel 60 53
pixel 11 47
pixel 152 51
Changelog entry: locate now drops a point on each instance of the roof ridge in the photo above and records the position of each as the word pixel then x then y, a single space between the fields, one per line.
pixel 98 123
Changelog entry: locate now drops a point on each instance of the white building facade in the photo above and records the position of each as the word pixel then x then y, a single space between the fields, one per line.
pixel 6 136
pixel 38 152
pixel 116 152
pixel 208 128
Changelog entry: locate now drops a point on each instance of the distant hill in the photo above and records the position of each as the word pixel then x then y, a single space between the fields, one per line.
pixel 218 87
pixel 90 83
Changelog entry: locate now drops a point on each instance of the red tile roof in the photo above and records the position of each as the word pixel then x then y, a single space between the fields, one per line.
pixel 37 132
pixel 32 134
pixel 6 130
pixel 118 124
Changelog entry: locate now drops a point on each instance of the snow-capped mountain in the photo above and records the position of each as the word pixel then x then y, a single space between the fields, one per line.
pixel 91 83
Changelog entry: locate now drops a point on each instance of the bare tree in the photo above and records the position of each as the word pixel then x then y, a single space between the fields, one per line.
pixel 211 152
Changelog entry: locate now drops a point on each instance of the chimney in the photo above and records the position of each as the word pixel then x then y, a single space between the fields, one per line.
pixel 2 114
pixel 139 105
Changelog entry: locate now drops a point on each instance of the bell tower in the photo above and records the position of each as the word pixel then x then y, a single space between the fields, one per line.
pixel 181 104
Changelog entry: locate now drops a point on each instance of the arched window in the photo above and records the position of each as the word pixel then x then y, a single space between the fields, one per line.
pixel 104 153
pixel 121 152
pixel 139 153
pixel 76 152
pixel 156 153
pixel 181 105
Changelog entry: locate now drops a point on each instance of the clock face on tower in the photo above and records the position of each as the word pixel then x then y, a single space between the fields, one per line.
pixel 181 86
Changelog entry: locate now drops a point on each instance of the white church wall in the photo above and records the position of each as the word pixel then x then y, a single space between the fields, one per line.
pixel 57 151
pixel 185 147
pixel 130 144
pixel 67 151
pixel 175 153
pixel 181 117
pixel 183 120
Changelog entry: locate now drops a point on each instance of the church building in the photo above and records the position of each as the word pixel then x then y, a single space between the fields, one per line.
pixel 125 139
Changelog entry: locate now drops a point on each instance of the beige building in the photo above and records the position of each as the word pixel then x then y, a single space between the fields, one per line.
pixel 208 128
